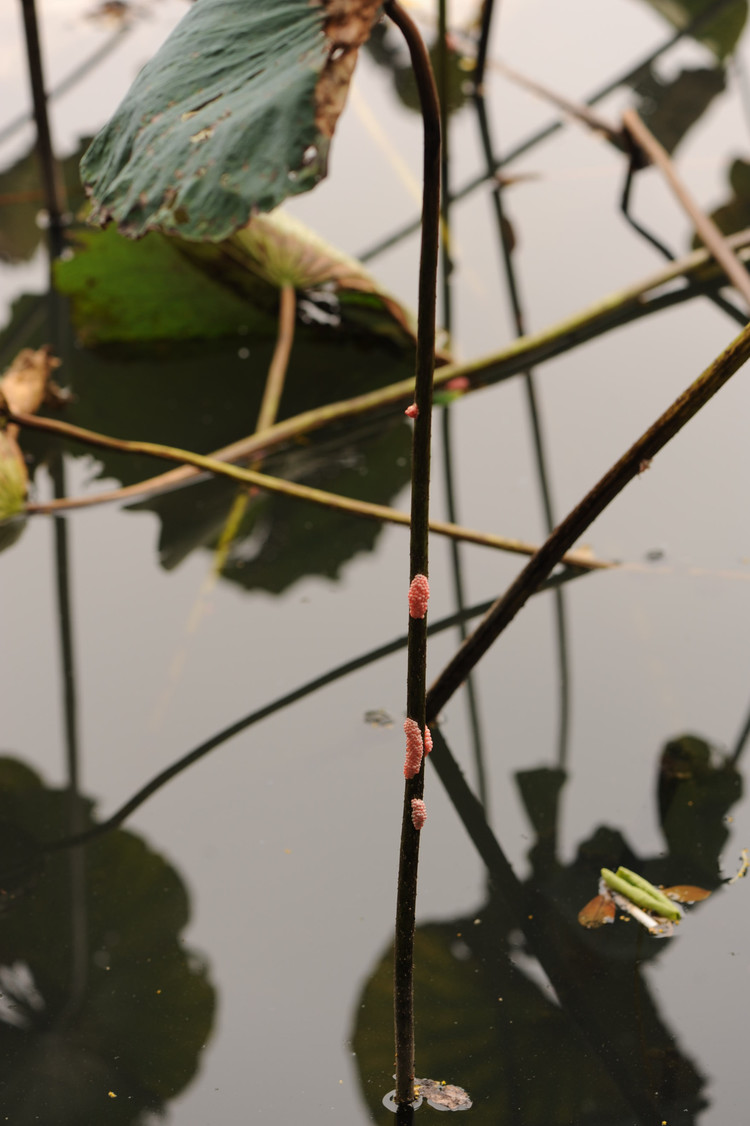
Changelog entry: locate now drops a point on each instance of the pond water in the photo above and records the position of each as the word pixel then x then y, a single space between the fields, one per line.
pixel 224 955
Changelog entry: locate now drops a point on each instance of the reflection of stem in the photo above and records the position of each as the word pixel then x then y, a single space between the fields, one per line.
pixel 266 416
pixel 288 488
pixel 483 44
pixel 704 226
pixel 545 931
pixel 576 522
pixel 446 270
pixel 416 683
pixel 514 296
pixel 267 710
pixel 70 80
pixel 624 79
pixel 77 859
pixel 619 308
pixel 714 296
pixel 54 195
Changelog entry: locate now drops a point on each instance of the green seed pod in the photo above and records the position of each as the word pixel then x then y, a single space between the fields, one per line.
pixel 641 882
pixel 656 904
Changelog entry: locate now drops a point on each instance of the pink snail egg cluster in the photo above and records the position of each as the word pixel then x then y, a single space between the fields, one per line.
pixel 418 813
pixel 427 740
pixel 414 748
pixel 412 411
pixel 419 596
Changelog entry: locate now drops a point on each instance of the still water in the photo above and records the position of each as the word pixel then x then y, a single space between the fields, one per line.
pixel 224 955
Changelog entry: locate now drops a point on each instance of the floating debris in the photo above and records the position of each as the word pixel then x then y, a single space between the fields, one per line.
pixel 654 908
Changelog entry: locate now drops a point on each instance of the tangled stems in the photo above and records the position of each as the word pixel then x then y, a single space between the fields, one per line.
pixel 420 493
pixel 578 520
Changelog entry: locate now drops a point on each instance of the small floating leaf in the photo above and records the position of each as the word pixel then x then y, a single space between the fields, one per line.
pixel 597 912
pixel 686 893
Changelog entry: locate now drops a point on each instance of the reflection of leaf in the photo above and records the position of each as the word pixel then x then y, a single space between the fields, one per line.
pixel 164 395
pixel 21 200
pixel 483 1023
pixel 696 789
pixel 735 214
pixel 144 1006
pixel 240 105
pixel 720 34
pixel 282 540
pixel 162 288
pixel 388 52
pixel 671 108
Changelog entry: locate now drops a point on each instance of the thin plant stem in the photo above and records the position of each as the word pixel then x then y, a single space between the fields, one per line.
pixel 704 225
pixel 78 915
pixel 288 488
pixel 618 308
pixel 267 414
pixel 715 297
pixel 578 111
pixel 576 522
pixel 483 44
pixel 416 686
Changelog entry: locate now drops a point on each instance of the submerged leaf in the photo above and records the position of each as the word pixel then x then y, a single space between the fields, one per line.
pixel 233 114
pixel 166 288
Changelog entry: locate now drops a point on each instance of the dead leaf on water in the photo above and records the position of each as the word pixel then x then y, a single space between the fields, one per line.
pixel 441 1095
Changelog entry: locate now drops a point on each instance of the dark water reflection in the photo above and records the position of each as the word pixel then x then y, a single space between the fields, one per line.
pixel 101 997
pixel 282 846
pixel 590 1029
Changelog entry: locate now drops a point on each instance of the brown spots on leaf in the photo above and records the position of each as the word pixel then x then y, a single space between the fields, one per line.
pixel 192 112
pixel 347 26
pixel 202 135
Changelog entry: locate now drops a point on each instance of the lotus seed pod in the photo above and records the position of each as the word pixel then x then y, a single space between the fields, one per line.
pixel 419 596
pixel 414 748
pixel 418 813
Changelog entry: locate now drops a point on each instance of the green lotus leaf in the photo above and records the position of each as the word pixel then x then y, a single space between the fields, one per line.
pixel 233 114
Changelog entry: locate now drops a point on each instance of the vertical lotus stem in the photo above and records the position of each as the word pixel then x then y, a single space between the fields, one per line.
pixel 54 194
pixel 417 648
